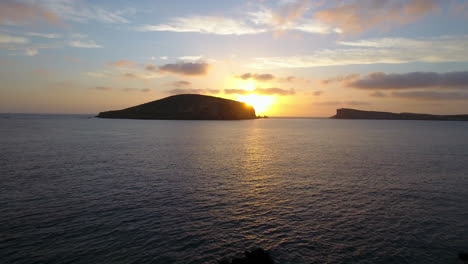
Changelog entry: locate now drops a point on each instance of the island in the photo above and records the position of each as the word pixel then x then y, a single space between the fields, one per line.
pixel 346 113
pixel 186 107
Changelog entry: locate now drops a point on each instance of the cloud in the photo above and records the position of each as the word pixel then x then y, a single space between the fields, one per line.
pixel 44 35
pixel 237 91
pixel 144 90
pixel 191 58
pixel 257 77
pixel 206 25
pixel 180 84
pixel 129 75
pixel 189 68
pixel 78 36
pixel 274 91
pixel 150 67
pixel 7 39
pixel 101 88
pixel 31 52
pixel 372 51
pixel 84 44
pixel 106 89
pixel 193 91
pixel 459 8
pixel 342 103
pixel 343 78
pixel 360 15
pixel 123 64
pixel 81 12
pixel 21 13
pixel 289 17
pixel 432 95
pixel 261 91
pixel 317 93
pixel 378 94
pixel 412 80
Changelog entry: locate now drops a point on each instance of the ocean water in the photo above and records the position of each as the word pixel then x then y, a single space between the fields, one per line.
pixel 86 190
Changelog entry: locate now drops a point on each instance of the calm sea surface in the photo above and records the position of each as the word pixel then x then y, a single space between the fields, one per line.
pixel 80 190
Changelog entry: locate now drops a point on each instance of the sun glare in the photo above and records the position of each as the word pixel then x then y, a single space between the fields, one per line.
pixel 248 85
pixel 261 103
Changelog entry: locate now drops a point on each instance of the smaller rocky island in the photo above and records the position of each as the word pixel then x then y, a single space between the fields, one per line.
pixel 186 107
pixel 346 113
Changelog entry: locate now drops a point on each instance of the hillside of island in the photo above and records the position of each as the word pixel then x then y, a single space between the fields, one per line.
pixel 346 113
pixel 186 107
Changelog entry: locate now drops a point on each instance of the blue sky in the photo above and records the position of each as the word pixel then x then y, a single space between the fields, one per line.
pixel 287 57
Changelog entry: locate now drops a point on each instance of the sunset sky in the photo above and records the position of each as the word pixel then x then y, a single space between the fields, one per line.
pixel 287 57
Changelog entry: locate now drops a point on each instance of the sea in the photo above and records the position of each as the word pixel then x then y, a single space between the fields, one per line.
pixel 78 189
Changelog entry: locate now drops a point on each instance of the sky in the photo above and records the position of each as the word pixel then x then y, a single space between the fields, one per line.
pixel 302 58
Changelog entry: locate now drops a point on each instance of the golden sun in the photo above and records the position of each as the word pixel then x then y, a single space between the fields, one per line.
pixel 261 103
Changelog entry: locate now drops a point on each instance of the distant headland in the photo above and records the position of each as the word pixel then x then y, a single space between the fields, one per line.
pixel 346 113
pixel 186 107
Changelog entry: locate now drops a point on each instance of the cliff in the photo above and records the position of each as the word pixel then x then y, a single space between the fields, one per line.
pixel 346 113
pixel 186 107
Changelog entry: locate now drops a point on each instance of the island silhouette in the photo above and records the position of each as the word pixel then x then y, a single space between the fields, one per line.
pixel 347 113
pixel 186 107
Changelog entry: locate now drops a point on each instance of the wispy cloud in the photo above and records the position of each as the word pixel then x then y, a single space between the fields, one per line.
pixel 143 90
pixel 359 15
pixel 191 58
pixel 257 77
pixel 260 20
pixel 192 91
pixel 31 51
pixel 78 11
pixel 378 94
pixel 8 39
pixel 459 8
pixel 44 35
pixel 23 13
pixel 261 91
pixel 372 51
pixel 205 24
pixel 130 75
pixel 151 67
pixel 101 88
pixel 123 64
pixel 180 84
pixel 274 91
pixel 107 88
pixel 342 78
pixel 432 95
pixel 88 44
pixel 343 103
pixel 412 80
pixel 189 68
pixel 289 19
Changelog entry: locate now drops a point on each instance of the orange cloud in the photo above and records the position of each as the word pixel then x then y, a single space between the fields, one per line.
pixel 366 14
pixel 123 64
pixel 258 77
pixel 12 12
pixel 193 91
pixel 261 91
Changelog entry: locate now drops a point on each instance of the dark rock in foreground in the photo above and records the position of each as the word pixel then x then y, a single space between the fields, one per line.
pixel 346 113
pixel 186 107
pixel 463 256
pixel 255 256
